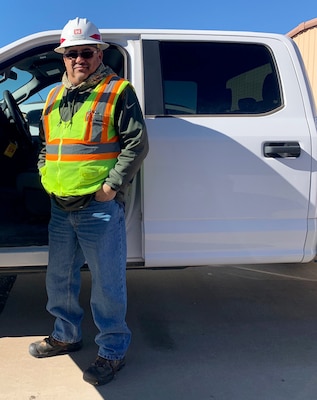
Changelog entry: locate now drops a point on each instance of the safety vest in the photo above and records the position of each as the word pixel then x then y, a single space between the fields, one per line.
pixel 81 152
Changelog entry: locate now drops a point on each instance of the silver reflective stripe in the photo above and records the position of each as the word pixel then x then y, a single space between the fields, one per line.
pixel 51 148
pixel 99 112
pixel 85 148
pixel 99 116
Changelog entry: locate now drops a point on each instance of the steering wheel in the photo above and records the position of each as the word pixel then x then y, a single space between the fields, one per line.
pixel 17 116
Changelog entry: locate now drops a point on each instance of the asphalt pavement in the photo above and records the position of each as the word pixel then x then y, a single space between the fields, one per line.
pixel 224 333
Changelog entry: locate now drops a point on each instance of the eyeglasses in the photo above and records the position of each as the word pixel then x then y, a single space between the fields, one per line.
pixel 86 54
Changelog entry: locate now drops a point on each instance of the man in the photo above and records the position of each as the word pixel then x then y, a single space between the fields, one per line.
pixel 96 141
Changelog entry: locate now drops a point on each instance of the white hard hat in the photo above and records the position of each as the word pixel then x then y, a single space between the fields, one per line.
pixel 80 31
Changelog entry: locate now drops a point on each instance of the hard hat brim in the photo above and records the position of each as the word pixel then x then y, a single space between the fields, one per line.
pixel 61 49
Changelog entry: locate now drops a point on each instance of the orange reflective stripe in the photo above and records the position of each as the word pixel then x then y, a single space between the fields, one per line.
pixel 50 101
pixel 114 139
pixel 56 142
pixel 82 157
pixel 51 98
pixel 109 106
pixel 88 132
pixel 51 157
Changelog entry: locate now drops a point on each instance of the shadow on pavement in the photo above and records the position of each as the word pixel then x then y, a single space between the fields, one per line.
pixel 200 333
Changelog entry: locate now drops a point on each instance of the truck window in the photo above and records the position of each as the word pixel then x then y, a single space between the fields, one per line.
pixel 210 78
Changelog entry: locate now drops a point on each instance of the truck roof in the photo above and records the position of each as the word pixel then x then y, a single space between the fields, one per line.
pixel 46 37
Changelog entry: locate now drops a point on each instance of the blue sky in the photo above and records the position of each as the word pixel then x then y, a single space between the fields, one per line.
pixel 23 17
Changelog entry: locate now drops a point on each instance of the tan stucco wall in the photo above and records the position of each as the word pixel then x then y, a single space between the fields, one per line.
pixel 305 36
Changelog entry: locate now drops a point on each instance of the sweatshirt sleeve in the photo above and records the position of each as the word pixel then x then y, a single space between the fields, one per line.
pixel 133 138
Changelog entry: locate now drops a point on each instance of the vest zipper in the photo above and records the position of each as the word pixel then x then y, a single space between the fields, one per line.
pixel 58 165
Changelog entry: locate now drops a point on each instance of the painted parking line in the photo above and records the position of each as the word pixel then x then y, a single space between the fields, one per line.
pixel 298 278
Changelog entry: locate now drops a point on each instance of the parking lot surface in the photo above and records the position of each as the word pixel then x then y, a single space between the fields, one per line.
pixel 225 333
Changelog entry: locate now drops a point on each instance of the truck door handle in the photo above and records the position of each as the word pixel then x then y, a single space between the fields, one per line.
pixel 281 149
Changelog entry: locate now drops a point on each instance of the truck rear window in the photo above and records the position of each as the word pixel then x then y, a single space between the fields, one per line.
pixel 210 78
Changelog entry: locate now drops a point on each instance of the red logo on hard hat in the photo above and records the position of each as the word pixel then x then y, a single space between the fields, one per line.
pixel 77 31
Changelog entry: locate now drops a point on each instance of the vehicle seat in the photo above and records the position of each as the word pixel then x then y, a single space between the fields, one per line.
pixel 247 105
pixel 270 94
pixel 219 104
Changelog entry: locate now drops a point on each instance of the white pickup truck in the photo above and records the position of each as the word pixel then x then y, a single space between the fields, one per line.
pixel 231 173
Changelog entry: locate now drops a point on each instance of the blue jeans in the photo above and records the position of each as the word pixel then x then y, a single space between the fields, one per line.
pixel 95 235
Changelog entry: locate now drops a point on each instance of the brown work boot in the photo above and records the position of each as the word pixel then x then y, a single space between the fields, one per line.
pixel 102 371
pixel 50 347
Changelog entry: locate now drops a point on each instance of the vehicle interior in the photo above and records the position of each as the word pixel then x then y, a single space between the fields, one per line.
pixel 24 84
pixel 210 78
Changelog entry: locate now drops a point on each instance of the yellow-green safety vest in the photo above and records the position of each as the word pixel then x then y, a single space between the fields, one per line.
pixel 81 152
